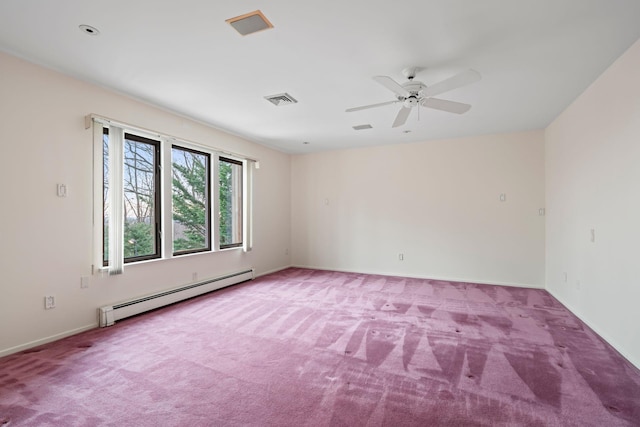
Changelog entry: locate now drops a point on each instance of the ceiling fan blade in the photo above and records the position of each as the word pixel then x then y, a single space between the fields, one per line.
pixel 364 107
pixel 402 116
pixel 392 85
pixel 462 79
pixel 444 105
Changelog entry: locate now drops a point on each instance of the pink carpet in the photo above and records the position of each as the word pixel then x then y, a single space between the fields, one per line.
pixel 314 348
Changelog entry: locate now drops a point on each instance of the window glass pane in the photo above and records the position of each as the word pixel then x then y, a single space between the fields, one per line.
pixel 230 203
pixel 190 196
pixel 140 198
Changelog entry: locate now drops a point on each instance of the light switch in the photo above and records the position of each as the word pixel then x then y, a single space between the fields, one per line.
pixel 62 190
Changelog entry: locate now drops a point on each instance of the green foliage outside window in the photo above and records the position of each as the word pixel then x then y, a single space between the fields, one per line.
pixel 226 192
pixel 230 201
pixel 190 200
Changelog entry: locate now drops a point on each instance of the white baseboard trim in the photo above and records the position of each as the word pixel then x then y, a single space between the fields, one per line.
pixel 46 340
pixel 635 362
pixel 446 279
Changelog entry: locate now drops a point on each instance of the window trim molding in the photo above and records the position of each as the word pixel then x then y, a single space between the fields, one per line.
pixel 90 118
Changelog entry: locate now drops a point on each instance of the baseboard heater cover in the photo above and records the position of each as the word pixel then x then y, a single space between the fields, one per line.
pixel 109 314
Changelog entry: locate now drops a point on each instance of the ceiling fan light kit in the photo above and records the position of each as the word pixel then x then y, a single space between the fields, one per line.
pixel 414 93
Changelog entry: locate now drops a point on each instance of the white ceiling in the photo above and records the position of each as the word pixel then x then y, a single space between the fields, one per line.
pixel 535 58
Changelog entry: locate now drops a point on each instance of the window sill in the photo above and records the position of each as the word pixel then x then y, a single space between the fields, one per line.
pixel 105 270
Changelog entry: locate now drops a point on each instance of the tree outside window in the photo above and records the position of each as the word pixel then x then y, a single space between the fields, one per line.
pixel 230 175
pixel 190 196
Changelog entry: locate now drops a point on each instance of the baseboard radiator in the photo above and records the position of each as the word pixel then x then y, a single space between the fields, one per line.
pixel 110 313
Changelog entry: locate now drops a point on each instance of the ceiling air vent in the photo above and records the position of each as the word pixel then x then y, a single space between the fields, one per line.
pixel 362 127
pixel 250 23
pixel 281 99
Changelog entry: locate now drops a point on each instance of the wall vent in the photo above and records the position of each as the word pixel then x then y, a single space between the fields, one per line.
pixel 281 99
pixel 362 127
pixel 250 23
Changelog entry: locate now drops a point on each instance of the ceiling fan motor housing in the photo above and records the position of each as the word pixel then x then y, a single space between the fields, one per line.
pixel 414 88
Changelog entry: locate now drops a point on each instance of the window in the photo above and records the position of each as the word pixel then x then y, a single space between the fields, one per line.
pixel 144 211
pixel 141 181
pixel 191 203
pixel 230 202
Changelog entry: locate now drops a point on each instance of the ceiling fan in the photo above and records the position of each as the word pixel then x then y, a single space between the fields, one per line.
pixel 414 93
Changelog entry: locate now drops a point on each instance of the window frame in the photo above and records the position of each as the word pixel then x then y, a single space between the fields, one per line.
pixel 209 201
pixel 240 244
pixel 157 199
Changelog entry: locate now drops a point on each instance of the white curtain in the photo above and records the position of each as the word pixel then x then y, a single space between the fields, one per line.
pixel 247 191
pixel 98 208
pixel 115 211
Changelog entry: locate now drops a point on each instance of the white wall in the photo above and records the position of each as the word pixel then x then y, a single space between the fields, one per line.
pixel 436 202
pixel 593 182
pixel 45 241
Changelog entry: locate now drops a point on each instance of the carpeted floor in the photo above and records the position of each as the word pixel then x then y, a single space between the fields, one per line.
pixel 315 348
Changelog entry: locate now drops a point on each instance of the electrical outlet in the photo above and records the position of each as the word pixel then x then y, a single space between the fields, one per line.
pixel 49 302
pixel 84 282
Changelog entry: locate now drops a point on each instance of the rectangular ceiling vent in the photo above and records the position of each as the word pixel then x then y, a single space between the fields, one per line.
pixel 362 127
pixel 281 99
pixel 250 23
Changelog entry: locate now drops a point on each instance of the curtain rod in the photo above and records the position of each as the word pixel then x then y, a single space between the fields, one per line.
pixel 89 118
